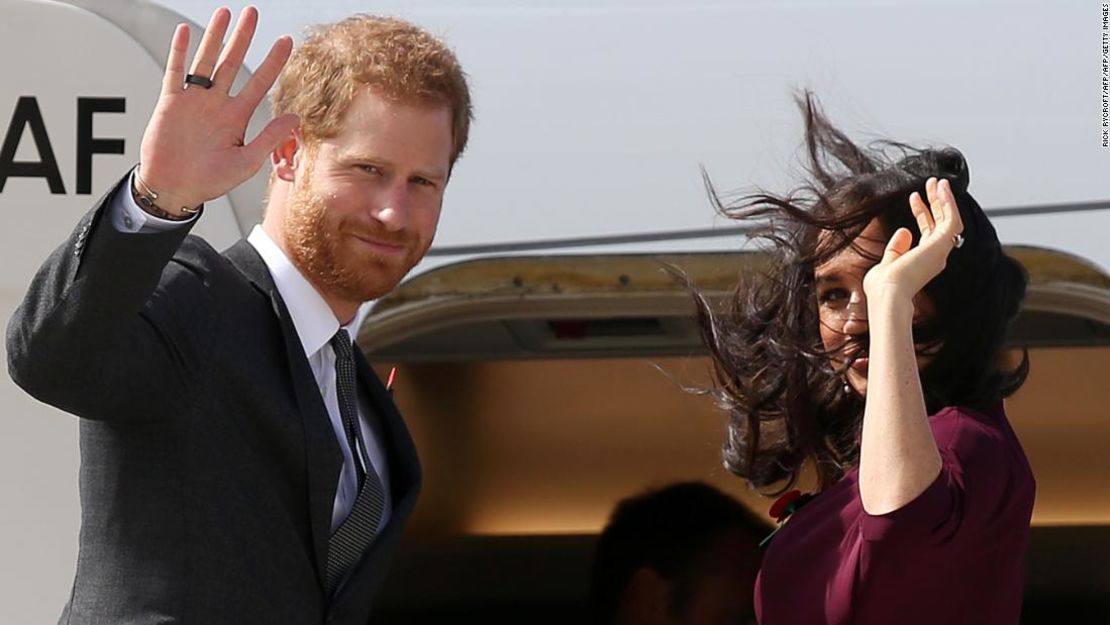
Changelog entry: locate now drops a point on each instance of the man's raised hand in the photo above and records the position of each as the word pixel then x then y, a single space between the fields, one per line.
pixel 194 148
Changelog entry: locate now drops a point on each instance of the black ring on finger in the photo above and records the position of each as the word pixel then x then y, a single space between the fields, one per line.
pixel 198 80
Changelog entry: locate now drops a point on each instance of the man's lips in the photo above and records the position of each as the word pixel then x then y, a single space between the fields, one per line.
pixel 381 247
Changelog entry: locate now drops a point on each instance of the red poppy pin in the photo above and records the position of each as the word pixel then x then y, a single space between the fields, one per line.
pixel 784 506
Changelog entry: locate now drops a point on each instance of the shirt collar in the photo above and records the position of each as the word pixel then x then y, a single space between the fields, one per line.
pixel 312 317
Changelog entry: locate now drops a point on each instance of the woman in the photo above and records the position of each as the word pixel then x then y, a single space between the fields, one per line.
pixel 871 353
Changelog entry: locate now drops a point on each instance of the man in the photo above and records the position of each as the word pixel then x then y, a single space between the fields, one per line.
pixel 241 463
pixel 686 554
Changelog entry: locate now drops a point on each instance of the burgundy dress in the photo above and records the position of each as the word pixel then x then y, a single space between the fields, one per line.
pixel 953 555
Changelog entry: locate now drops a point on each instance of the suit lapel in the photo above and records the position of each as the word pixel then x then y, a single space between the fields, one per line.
pixel 404 465
pixel 323 456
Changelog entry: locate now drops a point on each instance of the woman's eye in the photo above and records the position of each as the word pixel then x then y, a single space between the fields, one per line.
pixel 370 169
pixel 832 296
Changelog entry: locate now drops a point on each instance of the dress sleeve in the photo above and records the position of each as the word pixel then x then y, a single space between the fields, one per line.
pixel 977 469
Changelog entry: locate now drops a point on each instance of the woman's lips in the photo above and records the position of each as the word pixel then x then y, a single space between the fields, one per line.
pixel 860 364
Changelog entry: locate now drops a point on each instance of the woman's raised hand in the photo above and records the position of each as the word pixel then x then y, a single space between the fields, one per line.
pixel 194 148
pixel 904 269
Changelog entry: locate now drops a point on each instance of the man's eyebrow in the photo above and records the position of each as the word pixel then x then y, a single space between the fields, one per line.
pixel 431 175
pixel 358 157
pixel 361 157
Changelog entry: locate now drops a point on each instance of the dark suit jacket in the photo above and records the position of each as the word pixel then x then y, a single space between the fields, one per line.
pixel 208 462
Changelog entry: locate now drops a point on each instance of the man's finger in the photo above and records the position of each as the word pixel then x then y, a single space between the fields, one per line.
pixel 175 62
pixel 271 136
pixel 205 60
pixel 232 58
pixel 264 77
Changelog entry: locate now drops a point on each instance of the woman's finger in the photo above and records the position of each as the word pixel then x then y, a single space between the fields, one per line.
pixel 898 245
pixel 205 60
pixel 932 186
pixel 931 192
pixel 921 213
pixel 951 210
pixel 232 58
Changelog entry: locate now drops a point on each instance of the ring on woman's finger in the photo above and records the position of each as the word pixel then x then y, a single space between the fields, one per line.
pixel 198 80
pixel 958 241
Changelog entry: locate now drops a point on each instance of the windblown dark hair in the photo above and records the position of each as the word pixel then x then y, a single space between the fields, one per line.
pixel 786 402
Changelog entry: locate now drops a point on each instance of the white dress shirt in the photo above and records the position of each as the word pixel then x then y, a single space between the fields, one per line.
pixel 316 325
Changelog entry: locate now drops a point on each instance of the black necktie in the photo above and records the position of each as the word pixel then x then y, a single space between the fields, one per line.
pixel 357 531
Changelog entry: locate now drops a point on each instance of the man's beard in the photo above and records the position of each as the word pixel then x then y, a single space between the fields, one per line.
pixel 336 262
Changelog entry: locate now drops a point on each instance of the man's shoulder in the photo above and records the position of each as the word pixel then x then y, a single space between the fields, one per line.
pixel 198 254
pixel 197 264
pixel 196 250
pixel 208 287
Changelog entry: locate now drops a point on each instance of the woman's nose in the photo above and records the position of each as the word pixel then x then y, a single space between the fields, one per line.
pixel 855 314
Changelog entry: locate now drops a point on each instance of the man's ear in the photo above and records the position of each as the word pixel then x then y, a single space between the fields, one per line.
pixel 285 157
pixel 646 598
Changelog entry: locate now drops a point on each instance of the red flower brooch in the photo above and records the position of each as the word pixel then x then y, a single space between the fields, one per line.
pixel 784 506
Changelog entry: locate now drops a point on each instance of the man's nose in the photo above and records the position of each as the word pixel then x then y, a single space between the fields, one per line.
pixel 392 208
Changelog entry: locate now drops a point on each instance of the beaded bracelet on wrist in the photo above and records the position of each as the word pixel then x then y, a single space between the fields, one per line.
pixel 146 197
